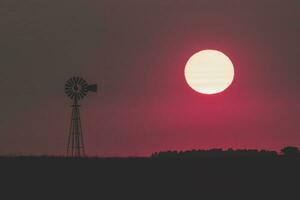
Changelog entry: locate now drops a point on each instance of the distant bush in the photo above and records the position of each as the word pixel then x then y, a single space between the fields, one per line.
pixel 216 153
pixel 290 151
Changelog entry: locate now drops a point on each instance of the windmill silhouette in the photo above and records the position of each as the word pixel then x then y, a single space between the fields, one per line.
pixel 76 88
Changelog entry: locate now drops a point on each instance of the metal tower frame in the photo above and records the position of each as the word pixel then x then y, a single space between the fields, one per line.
pixel 75 141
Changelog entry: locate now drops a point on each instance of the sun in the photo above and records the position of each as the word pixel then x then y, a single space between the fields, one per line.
pixel 209 72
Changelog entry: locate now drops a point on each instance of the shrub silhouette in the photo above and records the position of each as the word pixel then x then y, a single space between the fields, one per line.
pixel 216 153
pixel 290 151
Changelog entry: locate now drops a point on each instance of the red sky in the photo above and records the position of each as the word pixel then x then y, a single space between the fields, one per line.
pixel 136 51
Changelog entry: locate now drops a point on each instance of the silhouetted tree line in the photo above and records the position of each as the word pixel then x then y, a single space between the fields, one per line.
pixel 290 152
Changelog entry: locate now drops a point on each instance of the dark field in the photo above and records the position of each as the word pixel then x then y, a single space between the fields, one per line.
pixel 159 178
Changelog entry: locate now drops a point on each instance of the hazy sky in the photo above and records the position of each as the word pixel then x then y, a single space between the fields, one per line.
pixel 136 50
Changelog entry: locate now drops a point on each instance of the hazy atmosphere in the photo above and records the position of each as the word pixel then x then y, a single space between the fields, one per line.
pixel 136 51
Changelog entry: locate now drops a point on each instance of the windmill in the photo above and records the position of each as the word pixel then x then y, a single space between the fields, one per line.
pixel 76 88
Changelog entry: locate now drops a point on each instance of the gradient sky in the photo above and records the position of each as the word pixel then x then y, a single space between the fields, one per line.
pixel 136 50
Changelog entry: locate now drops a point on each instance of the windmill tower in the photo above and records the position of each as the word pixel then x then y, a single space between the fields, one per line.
pixel 76 88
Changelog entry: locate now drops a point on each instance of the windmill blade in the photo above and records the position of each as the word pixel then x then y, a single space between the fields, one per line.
pixel 68 87
pixel 68 91
pixel 73 80
pixel 80 82
pixel 81 95
pixel 76 80
pixel 83 92
pixel 70 95
pixel 69 83
pixel 84 82
pixel 85 87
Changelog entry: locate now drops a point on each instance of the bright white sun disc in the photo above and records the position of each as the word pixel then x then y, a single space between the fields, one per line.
pixel 209 72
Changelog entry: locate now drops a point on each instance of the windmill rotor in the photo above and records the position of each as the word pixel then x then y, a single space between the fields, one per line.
pixel 77 88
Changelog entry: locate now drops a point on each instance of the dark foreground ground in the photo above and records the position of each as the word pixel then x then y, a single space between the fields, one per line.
pixel 154 178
